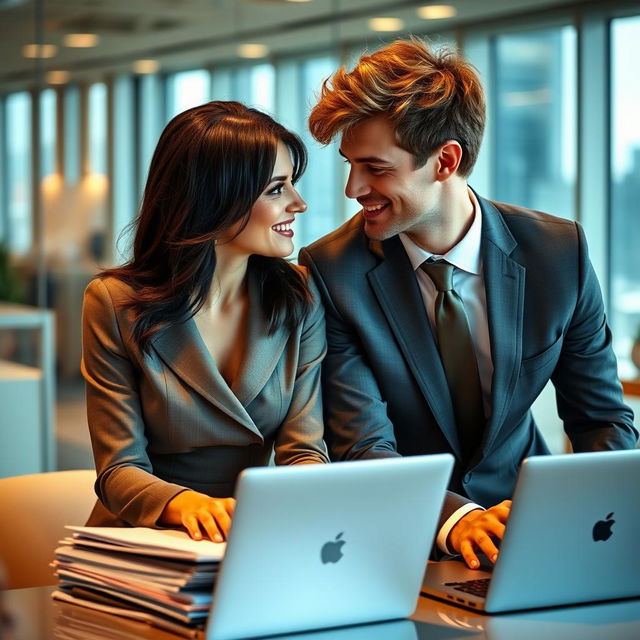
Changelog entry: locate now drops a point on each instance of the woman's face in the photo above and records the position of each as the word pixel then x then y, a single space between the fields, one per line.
pixel 269 230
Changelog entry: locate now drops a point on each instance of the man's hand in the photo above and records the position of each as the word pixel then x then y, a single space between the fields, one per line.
pixel 477 530
pixel 197 512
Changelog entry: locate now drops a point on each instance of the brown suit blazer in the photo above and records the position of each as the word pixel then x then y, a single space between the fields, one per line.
pixel 167 420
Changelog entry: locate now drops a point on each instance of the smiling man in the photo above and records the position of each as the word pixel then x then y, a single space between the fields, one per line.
pixel 446 313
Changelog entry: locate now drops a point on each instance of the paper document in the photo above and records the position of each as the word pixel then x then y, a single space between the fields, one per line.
pixel 164 543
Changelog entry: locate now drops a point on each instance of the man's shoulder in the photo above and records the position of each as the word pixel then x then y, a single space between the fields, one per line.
pixel 535 234
pixel 517 217
pixel 346 242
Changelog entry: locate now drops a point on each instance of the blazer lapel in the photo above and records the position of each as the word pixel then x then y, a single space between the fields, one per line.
pixel 263 350
pixel 397 291
pixel 504 285
pixel 182 349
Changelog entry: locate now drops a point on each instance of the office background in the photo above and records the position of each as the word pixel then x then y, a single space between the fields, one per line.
pixel 86 87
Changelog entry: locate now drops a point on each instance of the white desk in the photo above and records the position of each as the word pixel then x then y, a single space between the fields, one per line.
pixel 15 316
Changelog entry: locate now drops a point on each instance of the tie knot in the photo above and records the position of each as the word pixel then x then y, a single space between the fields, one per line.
pixel 440 272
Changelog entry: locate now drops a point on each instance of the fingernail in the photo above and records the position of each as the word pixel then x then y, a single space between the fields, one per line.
pixel 217 538
pixel 494 557
pixel 197 536
pixel 474 564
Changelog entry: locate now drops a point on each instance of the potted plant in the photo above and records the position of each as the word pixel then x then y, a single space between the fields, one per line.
pixel 10 289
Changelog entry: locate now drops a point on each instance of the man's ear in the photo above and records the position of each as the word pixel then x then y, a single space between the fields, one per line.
pixel 448 161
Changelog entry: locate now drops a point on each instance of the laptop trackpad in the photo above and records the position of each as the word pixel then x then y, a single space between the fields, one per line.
pixel 444 571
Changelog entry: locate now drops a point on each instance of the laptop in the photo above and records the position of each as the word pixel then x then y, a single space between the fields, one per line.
pixel 611 620
pixel 572 537
pixel 396 630
pixel 318 546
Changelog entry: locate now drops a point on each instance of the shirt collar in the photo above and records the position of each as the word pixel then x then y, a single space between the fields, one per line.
pixel 465 255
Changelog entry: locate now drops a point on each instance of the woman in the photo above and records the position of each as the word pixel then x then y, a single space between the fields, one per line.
pixel 203 352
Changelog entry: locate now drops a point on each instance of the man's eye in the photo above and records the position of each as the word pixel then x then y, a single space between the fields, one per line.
pixel 377 170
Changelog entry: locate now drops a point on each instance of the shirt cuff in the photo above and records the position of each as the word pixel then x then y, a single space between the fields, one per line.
pixel 451 522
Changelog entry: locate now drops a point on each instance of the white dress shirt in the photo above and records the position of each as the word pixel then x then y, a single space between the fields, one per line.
pixel 468 283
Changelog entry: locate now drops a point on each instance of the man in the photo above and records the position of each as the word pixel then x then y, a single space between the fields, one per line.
pixel 447 313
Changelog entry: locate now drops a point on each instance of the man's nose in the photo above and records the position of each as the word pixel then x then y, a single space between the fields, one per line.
pixel 356 186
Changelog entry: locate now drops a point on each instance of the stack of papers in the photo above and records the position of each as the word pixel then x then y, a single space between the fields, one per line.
pixel 159 576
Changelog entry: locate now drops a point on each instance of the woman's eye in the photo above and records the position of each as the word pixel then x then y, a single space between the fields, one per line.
pixel 276 191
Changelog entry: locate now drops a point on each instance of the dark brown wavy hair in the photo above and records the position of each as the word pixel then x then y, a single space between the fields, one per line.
pixel 211 164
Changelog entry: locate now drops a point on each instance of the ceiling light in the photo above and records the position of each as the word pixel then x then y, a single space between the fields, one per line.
pixel 81 40
pixel 252 50
pixel 39 50
pixel 298 0
pixel 58 77
pixel 146 66
pixel 386 24
pixel 436 12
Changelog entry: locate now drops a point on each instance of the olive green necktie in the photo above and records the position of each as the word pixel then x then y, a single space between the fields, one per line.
pixel 458 357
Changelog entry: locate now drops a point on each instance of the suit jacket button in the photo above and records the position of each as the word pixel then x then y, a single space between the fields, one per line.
pixel 467 477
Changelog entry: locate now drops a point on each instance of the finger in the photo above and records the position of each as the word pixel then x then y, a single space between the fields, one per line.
pixel 488 548
pixel 468 554
pixel 222 518
pixel 496 529
pixel 230 505
pixel 489 524
pixel 497 514
pixel 210 526
pixel 190 523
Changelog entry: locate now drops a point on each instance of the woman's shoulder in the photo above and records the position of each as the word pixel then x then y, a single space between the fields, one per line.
pixel 109 290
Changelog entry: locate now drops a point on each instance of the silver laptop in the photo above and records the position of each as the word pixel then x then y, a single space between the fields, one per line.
pixel 396 630
pixel 572 537
pixel 318 546
pixel 611 620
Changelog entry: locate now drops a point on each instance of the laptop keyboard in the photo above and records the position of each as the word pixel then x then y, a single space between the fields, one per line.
pixel 474 587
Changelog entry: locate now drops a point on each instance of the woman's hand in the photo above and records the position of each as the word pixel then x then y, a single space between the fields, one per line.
pixel 197 512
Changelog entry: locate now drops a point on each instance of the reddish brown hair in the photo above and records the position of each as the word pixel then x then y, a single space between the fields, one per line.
pixel 430 96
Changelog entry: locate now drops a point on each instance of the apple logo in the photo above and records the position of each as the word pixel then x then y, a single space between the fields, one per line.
pixel 332 551
pixel 602 528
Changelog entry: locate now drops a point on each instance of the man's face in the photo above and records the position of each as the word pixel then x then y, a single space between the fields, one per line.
pixel 395 196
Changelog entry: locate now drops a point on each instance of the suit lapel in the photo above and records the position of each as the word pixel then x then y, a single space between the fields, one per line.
pixel 182 349
pixel 263 351
pixel 397 291
pixel 504 285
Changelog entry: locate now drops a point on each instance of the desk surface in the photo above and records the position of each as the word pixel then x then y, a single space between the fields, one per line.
pixel 37 617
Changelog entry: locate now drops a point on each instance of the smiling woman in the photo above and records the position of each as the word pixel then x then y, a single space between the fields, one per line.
pixel 202 353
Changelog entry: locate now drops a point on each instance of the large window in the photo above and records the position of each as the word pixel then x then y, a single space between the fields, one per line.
pixel 48 134
pixel 187 89
pixel 255 86
pixel 534 120
pixel 320 185
pixel 97 116
pixel 624 250
pixel 18 171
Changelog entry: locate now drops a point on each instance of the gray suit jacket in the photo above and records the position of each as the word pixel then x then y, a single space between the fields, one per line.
pixel 166 420
pixel 384 386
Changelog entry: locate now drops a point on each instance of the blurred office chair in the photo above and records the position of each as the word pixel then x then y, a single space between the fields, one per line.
pixel 34 510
